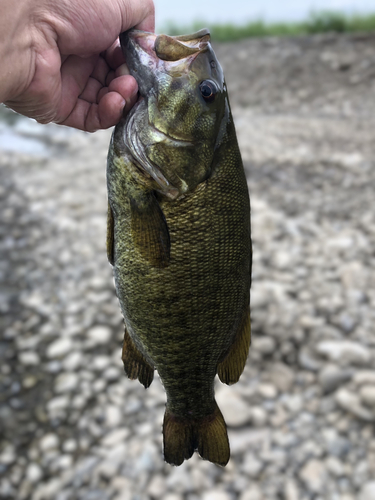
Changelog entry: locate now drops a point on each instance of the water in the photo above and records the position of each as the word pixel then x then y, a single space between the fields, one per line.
pixel 24 135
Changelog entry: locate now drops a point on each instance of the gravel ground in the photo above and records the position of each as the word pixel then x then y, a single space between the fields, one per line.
pixel 301 419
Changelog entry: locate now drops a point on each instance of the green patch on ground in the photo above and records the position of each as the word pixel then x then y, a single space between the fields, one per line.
pixel 317 22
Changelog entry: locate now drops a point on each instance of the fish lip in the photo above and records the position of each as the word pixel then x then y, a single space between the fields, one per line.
pixel 145 40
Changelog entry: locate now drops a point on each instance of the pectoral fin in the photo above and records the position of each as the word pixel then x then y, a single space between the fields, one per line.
pixel 149 230
pixel 110 235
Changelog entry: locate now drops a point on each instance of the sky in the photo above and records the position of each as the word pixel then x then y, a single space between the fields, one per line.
pixel 184 12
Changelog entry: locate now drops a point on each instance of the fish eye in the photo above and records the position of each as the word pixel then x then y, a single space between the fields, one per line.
pixel 208 90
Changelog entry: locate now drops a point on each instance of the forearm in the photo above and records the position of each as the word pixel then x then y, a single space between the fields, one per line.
pixel 16 47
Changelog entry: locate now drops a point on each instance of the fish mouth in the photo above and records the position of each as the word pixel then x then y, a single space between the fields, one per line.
pixel 149 55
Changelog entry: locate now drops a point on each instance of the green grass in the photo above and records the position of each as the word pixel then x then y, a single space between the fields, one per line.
pixel 317 22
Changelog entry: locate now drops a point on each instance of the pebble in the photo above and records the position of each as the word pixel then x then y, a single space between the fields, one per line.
pixel 265 345
pixel 216 494
pixel 58 404
pixel 351 402
pixel 345 352
pixel 49 442
pixel 113 416
pixel 73 361
pixel 253 492
pixel 335 466
pixel 34 472
pixel 251 466
pixel 100 362
pixel 114 437
pixel 29 358
pixel 66 382
pixel 59 347
pixel 367 491
pixel 331 377
pixel 69 446
pixel 291 491
pixel 235 410
pixel 99 334
pixel 267 391
pixel 314 475
pixel 281 376
pixel 258 416
pixel 364 377
pixel 367 395
pixel 156 488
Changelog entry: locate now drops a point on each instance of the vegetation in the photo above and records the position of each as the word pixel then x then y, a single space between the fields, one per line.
pixel 317 22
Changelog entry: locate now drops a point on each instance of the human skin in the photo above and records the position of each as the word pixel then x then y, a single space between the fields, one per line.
pixel 61 60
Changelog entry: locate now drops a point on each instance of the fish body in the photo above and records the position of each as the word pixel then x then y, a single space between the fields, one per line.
pixel 179 237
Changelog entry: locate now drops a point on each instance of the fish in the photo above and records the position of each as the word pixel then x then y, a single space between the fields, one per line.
pixel 179 237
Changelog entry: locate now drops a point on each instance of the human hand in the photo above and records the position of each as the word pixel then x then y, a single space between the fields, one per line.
pixel 64 63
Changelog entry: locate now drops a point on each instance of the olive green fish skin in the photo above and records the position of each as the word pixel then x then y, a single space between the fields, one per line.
pixel 182 315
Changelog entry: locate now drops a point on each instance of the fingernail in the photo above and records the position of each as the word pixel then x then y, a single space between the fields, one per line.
pixel 122 70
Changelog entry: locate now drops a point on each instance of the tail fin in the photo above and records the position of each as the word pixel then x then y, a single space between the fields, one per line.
pixel 208 436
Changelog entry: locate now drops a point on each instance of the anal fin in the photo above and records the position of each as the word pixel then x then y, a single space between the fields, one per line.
pixel 232 366
pixel 135 365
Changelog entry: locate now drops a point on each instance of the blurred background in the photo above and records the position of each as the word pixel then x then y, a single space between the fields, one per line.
pixel 301 419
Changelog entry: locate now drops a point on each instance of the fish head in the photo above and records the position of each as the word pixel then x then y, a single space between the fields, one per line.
pixel 182 84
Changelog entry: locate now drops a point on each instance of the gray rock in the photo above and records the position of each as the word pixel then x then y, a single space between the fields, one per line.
pixel 113 416
pixel 267 391
pixel 281 376
pixel 49 442
pixel 157 487
pixel 258 416
pixel 331 377
pixel 314 475
pixel 367 491
pixel 336 444
pixel 291 491
pixel 34 472
pixel 265 345
pixel 66 382
pixel 367 395
pixel 345 352
pixel 8 454
pixel 253 492
pixel 251 466
pixel 69 446
pixel 216 494
pixel 335 466
pixel 58 405
pixel 234 408
pixel 29 358
pixel 99 334
pixel 351 403
pixel 101 362
pixel 59 347
pixel 364 377
pixel 307 361
pixel 73 361
pixel 114 437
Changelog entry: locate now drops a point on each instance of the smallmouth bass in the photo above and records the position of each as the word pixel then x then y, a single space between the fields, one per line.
pixel 179 237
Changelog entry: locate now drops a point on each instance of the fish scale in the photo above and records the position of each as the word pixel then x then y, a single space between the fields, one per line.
pixel 180 245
